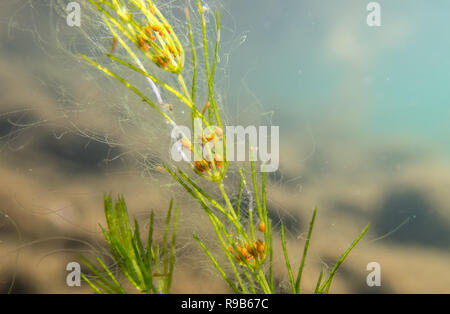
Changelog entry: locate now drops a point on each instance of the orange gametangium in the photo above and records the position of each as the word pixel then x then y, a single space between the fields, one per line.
pixel 158 42
pixel 249 252
pixel 262 226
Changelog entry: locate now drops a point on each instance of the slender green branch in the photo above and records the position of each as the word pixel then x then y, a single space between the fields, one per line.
pixel 226 198
pixel 194 57
pixel 131 87
pixel 327 281
pixel 241 188
pixel 286 258
pixel 217 266
pixel 317 289
pixel 255 187
pixel 305 252
pixel 207 70
pixel 270 237
pixel 172 251
pixel 166 230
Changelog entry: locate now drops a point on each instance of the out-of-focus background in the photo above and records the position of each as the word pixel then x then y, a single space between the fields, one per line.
pixel 364 131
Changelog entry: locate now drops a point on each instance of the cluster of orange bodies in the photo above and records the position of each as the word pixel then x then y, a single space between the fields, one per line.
pixel 163 56
pixel 159 40
pixel 206 165
pixel 248 251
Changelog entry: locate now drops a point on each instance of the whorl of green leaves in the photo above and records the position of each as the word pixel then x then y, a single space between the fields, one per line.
pixel 147 267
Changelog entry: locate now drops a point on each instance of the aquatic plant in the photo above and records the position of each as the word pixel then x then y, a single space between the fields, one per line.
pixel 148 267
pixel 141 29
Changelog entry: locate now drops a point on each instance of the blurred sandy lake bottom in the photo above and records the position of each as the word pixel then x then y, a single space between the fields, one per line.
pixel 52 189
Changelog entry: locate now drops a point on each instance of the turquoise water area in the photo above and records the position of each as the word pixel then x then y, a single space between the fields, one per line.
pixel 319 61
